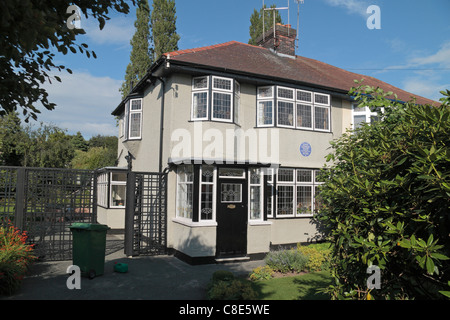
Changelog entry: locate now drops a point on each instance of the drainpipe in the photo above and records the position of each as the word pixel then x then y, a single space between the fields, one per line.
pixel 161 125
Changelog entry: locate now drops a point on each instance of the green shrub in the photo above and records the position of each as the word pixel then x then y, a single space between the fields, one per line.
pixel 15 258
pixel 261 273
pixel 286 260
pixel 386 200
pixel 224 286
pixel 318 259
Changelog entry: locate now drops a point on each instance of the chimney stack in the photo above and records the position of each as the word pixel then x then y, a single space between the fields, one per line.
pixel 280 41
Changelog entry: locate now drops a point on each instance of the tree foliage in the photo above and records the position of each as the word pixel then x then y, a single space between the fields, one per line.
pixel 163 25
pixel 141 56
pixel 31 31
pixel 256 22
pixel 387 200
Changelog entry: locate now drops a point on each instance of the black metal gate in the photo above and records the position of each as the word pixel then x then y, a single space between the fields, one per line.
pixel 146 214
pixel 45 202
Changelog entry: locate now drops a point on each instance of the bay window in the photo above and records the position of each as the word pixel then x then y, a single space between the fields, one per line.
pixel 213 98
pixel 296 109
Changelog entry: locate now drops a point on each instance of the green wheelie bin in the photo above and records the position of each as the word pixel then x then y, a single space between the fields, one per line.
pixel 88 248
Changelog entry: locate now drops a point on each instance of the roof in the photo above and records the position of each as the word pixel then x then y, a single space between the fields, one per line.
pixel 244 58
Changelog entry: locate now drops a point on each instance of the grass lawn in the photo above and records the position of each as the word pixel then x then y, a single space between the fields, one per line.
pixel 301 287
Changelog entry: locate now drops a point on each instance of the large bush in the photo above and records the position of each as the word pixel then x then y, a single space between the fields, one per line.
pixel 386 200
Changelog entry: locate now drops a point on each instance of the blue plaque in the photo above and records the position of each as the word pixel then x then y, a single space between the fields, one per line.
pixel 305 149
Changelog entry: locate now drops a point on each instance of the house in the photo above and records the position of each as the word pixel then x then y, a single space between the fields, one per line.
pixel 242 130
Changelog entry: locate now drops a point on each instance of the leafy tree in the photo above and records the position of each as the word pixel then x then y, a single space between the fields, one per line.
pixel 256 22
pixel 79 143
pixel 94 158
pixel 30 33
pixel 163 24
pixel 386 200
pixel 46 147
pixel 141 57
pixel 10 133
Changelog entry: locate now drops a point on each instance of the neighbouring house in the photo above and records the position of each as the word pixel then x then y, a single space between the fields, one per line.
pixel 242 131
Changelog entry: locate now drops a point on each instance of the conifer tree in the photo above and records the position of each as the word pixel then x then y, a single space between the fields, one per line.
pixel 163 24
pixel 256 22
pixel 141 57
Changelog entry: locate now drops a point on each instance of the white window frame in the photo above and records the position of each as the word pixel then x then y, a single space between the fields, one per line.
pixel 178 216
pixel 304 101
pixel 328 118
pixel 319 103
pixel 228 92
pixel 312 115
pixel 265 87
pixel 214 192
pixel 261 195
pixel 259 115
pixel 288 89
pixel 363 112
pixel 207 105
pixel 102 189
pixel 116 183
pixel 293 114
pixel 130 113
pixel 232 177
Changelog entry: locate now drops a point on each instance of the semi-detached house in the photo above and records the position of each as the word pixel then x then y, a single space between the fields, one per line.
pixel 242 131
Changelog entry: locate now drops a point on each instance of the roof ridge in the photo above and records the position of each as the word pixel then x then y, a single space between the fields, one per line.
pixel 194 50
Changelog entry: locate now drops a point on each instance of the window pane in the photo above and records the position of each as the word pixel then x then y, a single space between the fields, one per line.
pixel 265 113
pixel 207 173
pixel 358 120
pixel 321 98
pixel 206 209
pixel 285 200
pixel 118 176
pixel 118 193
pixel 285 113
pixel 321 118
pixel 222 105
pixel 231 173
pixel 185 196
pixel 200 83
pixel 304 199
pixel 231 192
pixel 186 173
pixel 200 105
pixel 285 175
pixel 304 175
pixel 136 104
pixel 304 96
pixel 255 202
pixel 304 116
pixel 285 93
pixel 318 204
pixel 135 125
pixel 255 176
pixel 265 92
pixel 223 84
pixel 270 200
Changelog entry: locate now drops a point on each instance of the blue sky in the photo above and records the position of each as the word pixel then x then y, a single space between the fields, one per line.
pixel 410 51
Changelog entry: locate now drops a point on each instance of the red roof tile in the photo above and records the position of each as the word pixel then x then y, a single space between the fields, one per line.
pixel 244 58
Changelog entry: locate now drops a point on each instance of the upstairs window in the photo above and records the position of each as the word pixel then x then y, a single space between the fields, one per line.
pixel 213 98
pixel 135 119
pixel 291 108
pixel 363 115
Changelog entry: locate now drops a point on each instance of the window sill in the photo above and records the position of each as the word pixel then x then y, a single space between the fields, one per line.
pixel 192 224
pixel 259 223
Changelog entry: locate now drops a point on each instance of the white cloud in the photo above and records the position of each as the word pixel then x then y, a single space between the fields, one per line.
pixel 441 57
pixel 352 6
pixel 118 30
pixel 84 103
